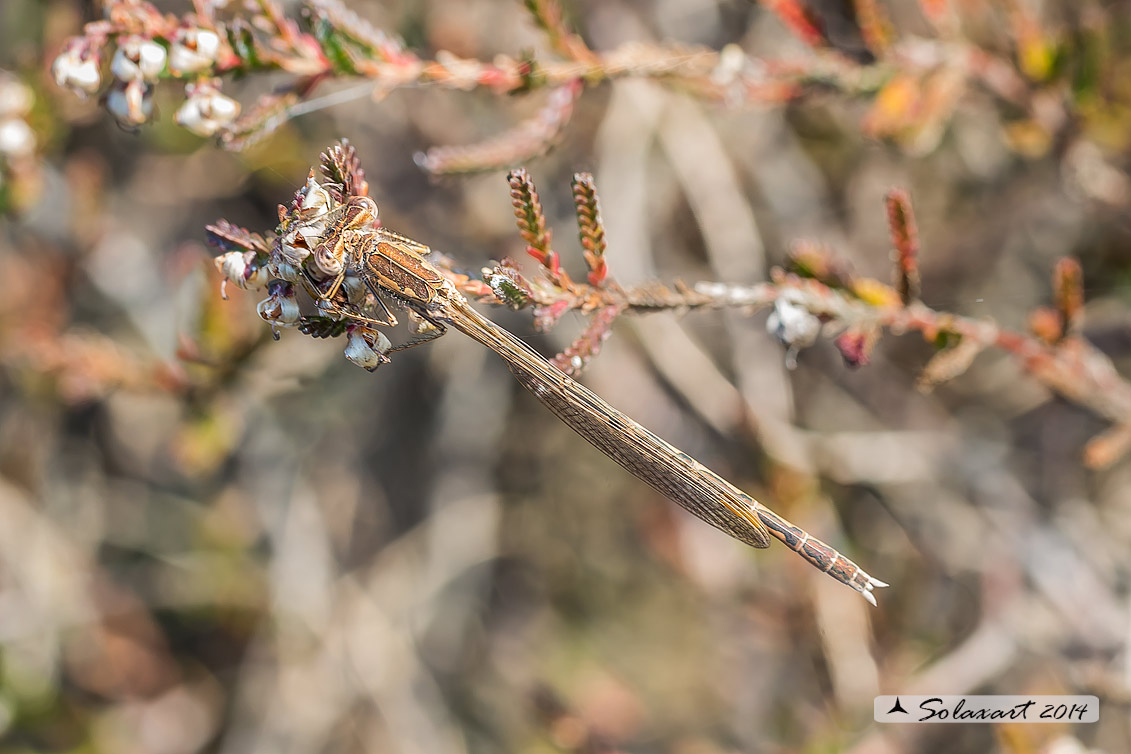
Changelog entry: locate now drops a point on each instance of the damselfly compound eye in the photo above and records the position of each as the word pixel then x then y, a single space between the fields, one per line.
pixel 325 263
pixel 369 206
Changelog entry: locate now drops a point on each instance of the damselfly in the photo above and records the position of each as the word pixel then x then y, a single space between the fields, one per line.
pixel 344 243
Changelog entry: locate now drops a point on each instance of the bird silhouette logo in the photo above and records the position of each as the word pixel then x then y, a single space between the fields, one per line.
pixel 897 707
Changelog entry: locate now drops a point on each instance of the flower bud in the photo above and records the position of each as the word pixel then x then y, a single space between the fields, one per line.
pixel 280 308
pixel 138 59
pixel 193 50
pixel 77 68
pixel 206 110
pixel 16 138
pixel 367 348
pixel 16 98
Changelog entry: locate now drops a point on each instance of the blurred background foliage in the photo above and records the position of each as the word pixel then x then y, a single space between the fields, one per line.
pixel 210 541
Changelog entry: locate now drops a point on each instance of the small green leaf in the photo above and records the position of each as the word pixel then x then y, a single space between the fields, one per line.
pixel 244 44
pixel 334 46
pixel 322 327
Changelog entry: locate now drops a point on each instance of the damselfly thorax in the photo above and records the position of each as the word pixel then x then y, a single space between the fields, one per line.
pixel 351 251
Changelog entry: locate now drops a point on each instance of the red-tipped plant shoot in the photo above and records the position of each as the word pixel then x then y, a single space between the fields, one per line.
pixel 905 239
pixel 1068 291
pixel 591 229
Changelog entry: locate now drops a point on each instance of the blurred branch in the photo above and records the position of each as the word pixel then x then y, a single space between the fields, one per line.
pixel 821 295
pixel 914 86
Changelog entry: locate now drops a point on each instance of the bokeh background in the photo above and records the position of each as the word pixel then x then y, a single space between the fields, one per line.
pixel 211 541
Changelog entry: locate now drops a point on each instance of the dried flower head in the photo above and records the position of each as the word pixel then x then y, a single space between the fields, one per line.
pixel 355 289
pixel 280 308
pixel 284 270
pixel 312 203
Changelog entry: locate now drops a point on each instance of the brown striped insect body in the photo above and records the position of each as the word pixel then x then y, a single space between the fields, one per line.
pixel 394 266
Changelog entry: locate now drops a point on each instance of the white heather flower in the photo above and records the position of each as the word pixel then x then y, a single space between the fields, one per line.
pixel 792 324
pixel 367 348
pixel 138 59
pixel 131 104
pixel 16 138
pixel 315 199
pixel 291 250
pixel 232 266
pixel 15 97
pixel 193 50
pixel 280 308
pixel 206 110
pixel 240 267
pixel 285 271
pixel 316 203
pixel 77 69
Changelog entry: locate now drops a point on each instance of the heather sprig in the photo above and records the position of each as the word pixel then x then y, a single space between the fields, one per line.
pixel 912 86
pixel 819 297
